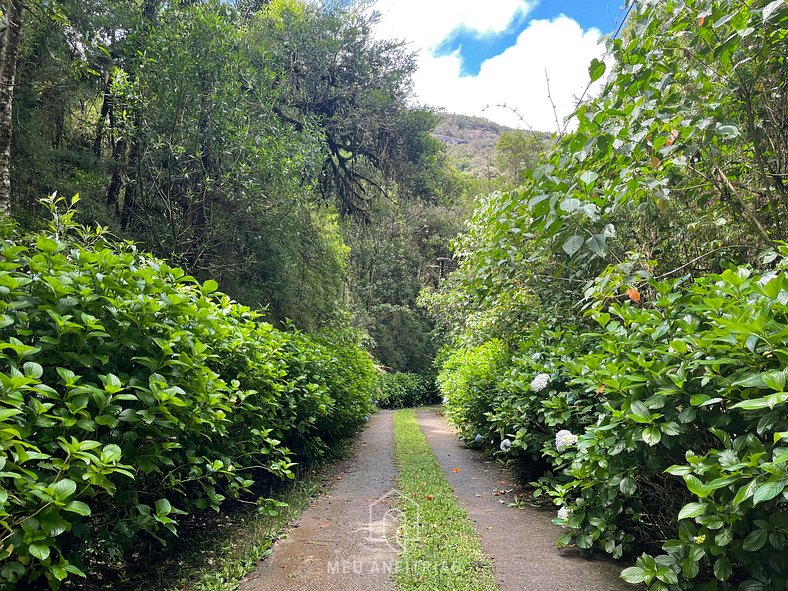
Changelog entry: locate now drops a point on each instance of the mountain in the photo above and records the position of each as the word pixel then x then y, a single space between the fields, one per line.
pixel 470 142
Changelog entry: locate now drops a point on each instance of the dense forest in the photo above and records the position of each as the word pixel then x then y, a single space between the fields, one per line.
pixel 229 233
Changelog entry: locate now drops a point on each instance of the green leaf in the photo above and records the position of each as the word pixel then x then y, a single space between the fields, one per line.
pixel 7 413
pixel 695 486
pixel 78 507
pixel 48 245
pixel 163 507
pixel 40 551
pixel 209 286
pixel 724 537
pixel 639 412
pixel 690 568
pixel 597 68
pixel 652 435
pixel 692 510
pixel 711 521
pixel 54 526
pixel 679 470
pixel 628 486
pixel 571 204
pixel 722 568
pixel 770 9
pixel 598 245
pixel 745 492
pixel 698 399
pixel 667 575
pixel 111 453
pixel 755 540
pixel 753 404
pixel 753 381
pixel 670 428
pixel 584 541
pixel 633 574
pixel 33 369
pixel 572 245
pixel 63 489
pixel 588 178
pixel 767 491
pixel 728 131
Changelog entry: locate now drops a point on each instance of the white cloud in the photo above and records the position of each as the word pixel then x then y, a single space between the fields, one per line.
pixel 516 77
pixel 426 23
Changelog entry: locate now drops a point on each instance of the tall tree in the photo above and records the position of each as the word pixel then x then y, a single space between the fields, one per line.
pixel 9 53
pixel 333 70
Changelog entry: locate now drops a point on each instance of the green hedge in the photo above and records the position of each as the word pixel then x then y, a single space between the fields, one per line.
pixel 132 394
pixel 664 428
pixel 405 390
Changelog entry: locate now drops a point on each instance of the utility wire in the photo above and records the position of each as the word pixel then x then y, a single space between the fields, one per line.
pixel 625 12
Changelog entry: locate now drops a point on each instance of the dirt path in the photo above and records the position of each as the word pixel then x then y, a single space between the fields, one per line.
pixel 521 542
pixel 346 540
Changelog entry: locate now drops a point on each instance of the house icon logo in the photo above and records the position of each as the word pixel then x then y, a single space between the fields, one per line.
pixel 386 523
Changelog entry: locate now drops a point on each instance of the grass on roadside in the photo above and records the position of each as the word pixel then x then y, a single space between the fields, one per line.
pixel 244 540
pixel 216 553
pixel 441 550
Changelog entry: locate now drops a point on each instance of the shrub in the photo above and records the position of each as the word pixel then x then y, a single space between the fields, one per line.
pixel 132 394
pixel 470 383
pixel 673 415
pixel 405 390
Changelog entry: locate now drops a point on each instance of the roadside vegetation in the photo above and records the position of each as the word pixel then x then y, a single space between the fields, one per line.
pixel 405 390
pixel 266 216
pixel 134 395
pixel 619 322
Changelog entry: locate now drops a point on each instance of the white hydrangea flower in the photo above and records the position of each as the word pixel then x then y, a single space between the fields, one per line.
pixel 478 438
pixel 564 513
pixel 445 400
pixel 506 445
pixel 540 382
pixel 564 439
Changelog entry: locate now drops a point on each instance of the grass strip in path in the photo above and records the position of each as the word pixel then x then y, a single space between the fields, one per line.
pixel 440 548
pixel 521 542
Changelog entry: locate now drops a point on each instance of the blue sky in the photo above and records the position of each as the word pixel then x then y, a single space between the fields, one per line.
pixel 488 58
pixel 475 47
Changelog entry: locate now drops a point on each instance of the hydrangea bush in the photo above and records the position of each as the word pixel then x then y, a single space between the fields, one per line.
pixel 405 390
pixel 131 394
pixel 661 431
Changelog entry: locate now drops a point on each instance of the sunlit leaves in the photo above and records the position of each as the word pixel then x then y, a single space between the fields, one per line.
pixel 596 70
pixel 573 244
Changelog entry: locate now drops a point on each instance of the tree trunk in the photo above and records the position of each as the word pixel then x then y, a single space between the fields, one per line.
pixel 106 111
pixel 8 59
pixel 118 174
pixel 129 208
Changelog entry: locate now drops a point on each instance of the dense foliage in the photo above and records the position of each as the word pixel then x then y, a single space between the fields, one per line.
pixel 675 415
pixel 246 142
pixel 132 394
pixel 618 322
pixel 405 390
